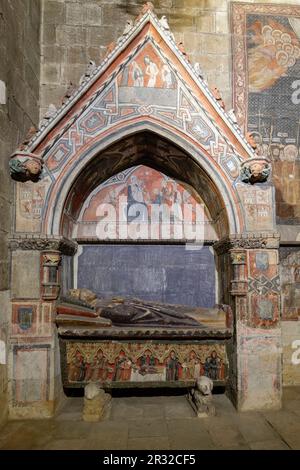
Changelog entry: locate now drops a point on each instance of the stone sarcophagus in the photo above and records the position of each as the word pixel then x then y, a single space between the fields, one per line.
pixel 142 363
pixel 131 343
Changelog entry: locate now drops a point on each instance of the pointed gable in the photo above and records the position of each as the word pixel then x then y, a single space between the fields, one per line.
pixel 145 76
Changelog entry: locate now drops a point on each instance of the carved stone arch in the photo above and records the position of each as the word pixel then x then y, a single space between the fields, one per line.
pixel 226 194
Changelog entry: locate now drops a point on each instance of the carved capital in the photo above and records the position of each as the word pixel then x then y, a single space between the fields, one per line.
pixel 63 245
pixel 247 242
pixel 25 166
pixel 255 170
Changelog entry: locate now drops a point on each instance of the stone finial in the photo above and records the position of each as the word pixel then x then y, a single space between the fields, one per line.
pixel 217 95
pixel 49 114
pixel 25 166
pixel 148 6
pixel 180 46
pixel 255 170
pixel 109 48
pixel 232 116
pixel 198 70
pixel 128 27
pixel 70 90
pixel 165 25
pixel 88 73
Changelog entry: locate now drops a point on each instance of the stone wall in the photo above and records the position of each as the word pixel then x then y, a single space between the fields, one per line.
pixel 19 109
pixel 76 31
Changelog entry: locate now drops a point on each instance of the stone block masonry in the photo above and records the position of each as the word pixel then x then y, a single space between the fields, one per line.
pixel 19 109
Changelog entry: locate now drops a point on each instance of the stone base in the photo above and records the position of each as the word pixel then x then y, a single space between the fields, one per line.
pixel 97 408
pixel 206 408
pixel 39 410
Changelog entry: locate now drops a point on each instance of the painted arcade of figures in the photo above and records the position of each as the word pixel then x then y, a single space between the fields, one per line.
pixel 87 362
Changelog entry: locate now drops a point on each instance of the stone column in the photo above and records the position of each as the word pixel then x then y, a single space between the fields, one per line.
pixel 34 365
pixel 255 375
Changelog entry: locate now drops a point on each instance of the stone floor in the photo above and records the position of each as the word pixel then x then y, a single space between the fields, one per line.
pixel 160 423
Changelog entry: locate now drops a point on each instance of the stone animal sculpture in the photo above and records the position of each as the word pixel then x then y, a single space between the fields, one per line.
pixel 200 397
pixel 96 403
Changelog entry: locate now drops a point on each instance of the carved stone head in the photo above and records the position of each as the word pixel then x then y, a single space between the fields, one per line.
pixel 91 391
pixel 255 170
pixel 204 385
pixel 25 166
pixel 33 167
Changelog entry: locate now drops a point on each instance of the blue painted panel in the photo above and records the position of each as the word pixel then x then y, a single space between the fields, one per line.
pixel 166 273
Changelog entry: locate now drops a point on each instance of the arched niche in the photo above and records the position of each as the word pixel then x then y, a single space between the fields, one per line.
pixel 159 164
pixel 143 144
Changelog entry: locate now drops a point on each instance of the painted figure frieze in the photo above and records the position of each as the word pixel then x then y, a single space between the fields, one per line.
pixel 142 362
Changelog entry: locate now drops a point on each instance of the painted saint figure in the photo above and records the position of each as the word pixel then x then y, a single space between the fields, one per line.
pixel 191 368
pixel 167 76
pixel 99 367
pixel 212 366
pixel 172 368
pixel 77 368
pixel 123 367
pixel 151 70
pixel 137 74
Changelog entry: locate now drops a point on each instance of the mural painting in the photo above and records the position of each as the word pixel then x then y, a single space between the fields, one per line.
pixel 290 282
pixel 148 70
pixel 271 36
pixel 142 362
pixel 142 195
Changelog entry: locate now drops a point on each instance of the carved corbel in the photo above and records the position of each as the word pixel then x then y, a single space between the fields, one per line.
pixel 255 170
pixel 25 166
